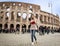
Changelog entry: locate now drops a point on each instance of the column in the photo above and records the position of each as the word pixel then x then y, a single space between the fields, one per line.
pixel 27 22
pixel 2 26
pixel 15 16
pixel 8 25
pixel 50 20
pixel 4 17
pixel 20 28
pixel 43 19
pixel 47 19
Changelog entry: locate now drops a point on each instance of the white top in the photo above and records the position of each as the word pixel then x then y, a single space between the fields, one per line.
pixel 33 26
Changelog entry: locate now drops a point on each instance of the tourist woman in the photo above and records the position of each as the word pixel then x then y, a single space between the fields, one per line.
pixel 33 29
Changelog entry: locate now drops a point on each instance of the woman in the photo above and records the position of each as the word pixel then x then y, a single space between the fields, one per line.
pixel 33 28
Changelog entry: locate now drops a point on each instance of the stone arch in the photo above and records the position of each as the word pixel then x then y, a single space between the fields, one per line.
pixel 30 16
pixel 41 18
pixel 12 15
pixel 11 26
pixel 24 28
pixel 37 16
pixel 30 9
pixel 0 26
pixel 7 14
pixel 5 26
pixel 18 16
pixel 18 27
pixel 24 16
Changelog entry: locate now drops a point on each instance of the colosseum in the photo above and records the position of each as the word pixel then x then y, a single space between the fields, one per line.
pixel 18 14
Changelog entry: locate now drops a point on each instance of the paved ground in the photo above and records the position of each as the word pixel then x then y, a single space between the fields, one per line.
pixel 24 39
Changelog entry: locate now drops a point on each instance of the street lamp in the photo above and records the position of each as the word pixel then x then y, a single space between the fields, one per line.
pixel 50 5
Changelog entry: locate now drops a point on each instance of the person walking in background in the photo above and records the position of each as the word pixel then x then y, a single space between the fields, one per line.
pixel 40 30
pixel 33 29
pixel 48 30
pixel 52 30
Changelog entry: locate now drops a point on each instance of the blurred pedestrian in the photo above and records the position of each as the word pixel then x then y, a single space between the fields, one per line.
pixel 33 29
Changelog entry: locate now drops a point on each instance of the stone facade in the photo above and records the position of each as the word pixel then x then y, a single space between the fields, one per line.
pixel 18 14
pixel 59 22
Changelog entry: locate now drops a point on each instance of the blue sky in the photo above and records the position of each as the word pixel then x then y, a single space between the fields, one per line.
pixel 44 4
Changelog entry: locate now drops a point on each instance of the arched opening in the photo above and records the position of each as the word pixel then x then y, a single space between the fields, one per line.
pixel 30 16
pixel 24 16
pixel 8 8
pixel 12 28
pixel 12 15
pixel 5 26
pixel 41 17
pixel 0 28
pixel 45 19
pixel 30 9
pixel 6 15
pixel 37 16
pixel 23 28
pixel 18 27
pixel 18 16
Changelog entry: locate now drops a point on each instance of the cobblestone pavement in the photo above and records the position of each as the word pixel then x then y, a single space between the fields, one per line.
pixel 11 39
